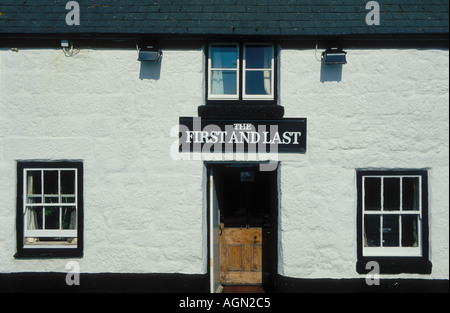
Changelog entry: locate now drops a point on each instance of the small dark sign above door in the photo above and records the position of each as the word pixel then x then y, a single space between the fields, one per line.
pixel 219 135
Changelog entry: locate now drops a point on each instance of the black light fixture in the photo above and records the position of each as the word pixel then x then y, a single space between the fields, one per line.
pixel 334 56
pixel 150 54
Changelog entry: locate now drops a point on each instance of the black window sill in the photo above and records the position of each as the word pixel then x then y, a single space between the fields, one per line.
pixel 400 265
pixel 231 110
pixel 48 254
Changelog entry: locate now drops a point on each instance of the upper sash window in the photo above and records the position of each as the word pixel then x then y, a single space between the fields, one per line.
pixel 241 72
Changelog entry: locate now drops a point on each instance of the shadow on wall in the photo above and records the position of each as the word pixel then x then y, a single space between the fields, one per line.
pixel 150 70
pixel 330 73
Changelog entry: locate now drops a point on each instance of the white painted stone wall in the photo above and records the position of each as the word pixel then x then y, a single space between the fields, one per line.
pixel 143 211
pixel 146 213
pixel 388 111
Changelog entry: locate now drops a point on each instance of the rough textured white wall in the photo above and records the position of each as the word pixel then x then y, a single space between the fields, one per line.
pixel 387 109
pixel 145 212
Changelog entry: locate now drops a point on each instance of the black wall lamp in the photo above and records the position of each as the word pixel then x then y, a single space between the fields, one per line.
pixel 149 54
pixel 334 56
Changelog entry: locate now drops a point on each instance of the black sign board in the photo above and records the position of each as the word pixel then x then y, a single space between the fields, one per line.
pixel 220 135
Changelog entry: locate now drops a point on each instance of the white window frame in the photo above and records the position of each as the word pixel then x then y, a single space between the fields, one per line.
pixel 49 233
pixel 272 73
pixel 210 69
pixel 241 72
pixel 393 251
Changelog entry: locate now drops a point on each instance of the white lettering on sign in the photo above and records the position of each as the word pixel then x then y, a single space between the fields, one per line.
pixel 249 137
pixel 243 126
pixel 223 140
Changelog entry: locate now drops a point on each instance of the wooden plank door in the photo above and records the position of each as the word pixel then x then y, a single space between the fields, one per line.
pixel 241 256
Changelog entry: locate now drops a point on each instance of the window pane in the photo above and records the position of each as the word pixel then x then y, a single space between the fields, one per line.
pixel 224 56
pixel 410 193
pixel 410 231
pixel 34 215
pixel 69 218
pixel 391 194
pixel 258 57
pixel 372 193
pixel 258 83
pixel 51 182
pixel 34 199
pixel 390 231
pixel 51 199
pixel 372 230
pixel 223 82
pixel 51 218
pixel 67 199
pixel 34 183
pixel 68 182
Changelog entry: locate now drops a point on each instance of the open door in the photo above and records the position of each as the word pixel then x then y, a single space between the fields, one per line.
pixel 214 233
pixel 243 220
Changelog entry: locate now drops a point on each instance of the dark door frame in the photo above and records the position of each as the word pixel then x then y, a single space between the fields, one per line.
pixel 272 245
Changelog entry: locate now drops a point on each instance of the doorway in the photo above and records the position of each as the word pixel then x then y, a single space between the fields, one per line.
pixel 243 211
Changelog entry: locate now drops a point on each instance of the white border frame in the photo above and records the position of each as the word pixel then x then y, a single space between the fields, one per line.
pixel 393 251
pixel 72 233
pixel 272 72
pixel 210 69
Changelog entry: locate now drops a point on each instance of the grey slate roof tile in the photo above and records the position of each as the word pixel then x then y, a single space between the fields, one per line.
pixel 228 17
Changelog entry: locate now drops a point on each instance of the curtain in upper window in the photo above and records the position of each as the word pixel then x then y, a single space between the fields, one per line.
pixel 224 70
pixel 258 70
